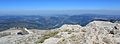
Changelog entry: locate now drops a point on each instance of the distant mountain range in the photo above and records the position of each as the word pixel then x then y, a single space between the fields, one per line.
pixel 48 22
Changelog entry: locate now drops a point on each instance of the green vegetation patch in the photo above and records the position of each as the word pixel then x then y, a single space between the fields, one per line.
pixel 46 36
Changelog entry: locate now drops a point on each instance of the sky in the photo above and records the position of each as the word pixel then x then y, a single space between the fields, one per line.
pixel 59 6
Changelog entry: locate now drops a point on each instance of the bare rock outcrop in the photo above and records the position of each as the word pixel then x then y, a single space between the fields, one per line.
pixel 11 36
pixel 96 32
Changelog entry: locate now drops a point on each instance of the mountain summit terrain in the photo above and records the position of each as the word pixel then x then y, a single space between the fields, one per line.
pixel 96 32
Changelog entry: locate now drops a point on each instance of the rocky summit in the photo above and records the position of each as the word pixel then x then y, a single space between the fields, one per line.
pixel 96 32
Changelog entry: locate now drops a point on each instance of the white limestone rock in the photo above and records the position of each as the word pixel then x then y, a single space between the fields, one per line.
pixel 96 32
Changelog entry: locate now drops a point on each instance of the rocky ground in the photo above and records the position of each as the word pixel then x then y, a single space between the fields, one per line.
pixel 96 32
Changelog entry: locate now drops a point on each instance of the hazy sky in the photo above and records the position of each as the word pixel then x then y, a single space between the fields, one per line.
pixel 58 6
